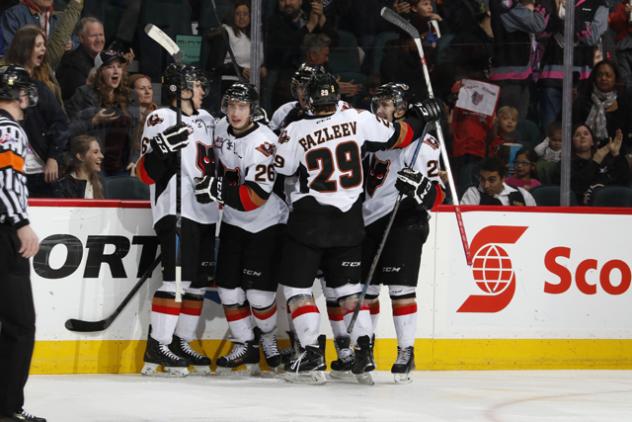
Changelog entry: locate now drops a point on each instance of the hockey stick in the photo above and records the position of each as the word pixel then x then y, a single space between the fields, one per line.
pixel 91 326
pixel 387 230
pixel 172 48
pixel 397 20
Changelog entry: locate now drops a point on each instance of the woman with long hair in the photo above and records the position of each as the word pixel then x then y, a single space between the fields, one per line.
pixel 144 97
pixel 45 124
pixel 82 178
pixel 103 109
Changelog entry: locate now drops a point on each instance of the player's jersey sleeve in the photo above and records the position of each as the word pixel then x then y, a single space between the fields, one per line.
pixel 428 162
pixel 380 134
pixel 151 167
pixel 287 159
pixel 258 181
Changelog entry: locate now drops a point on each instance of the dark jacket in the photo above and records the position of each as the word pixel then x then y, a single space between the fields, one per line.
pixel 513 24
pixel 73 71
pixel 46 125
pixel 115 138
pixel 591 21
pixel 69 187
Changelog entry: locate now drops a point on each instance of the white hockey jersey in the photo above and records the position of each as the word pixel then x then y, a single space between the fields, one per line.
pixel 383 167
pixel 327 153
pixel 251 156
pixel 194 157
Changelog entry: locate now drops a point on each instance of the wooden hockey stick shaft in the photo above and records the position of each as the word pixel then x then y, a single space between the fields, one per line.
pixel 394 18
pixel 387 231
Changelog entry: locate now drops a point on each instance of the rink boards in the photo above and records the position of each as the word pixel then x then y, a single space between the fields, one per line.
pixel 549 288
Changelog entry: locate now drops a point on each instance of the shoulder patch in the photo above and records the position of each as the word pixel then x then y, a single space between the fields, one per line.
pixel 267 149
pixel 154 120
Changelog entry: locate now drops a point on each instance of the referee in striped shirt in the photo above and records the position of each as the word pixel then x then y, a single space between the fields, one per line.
pixel 18 243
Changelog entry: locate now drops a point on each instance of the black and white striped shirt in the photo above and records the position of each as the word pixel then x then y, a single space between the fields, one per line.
pixel 13 190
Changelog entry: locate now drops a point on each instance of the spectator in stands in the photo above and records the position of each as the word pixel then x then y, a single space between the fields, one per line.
pixel 620 23
pixel 45 124
pixel 82 178
pixel 524 170
pixel 285 32
pixel 144 96
pixel 30 12
pixel 514 24
pixel 492 189
pixel 591 21
pixel 603 107
pixel 103 110
pixel 76 64
pixel 550 149
pixel 505 126
pixel 401 58
pixel 596 165
pixel 236 30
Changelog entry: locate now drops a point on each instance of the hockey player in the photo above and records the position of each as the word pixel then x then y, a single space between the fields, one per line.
pixel 253 222
pixel 18 243
pixel 325 228
pixel 389 173
pixel 173 324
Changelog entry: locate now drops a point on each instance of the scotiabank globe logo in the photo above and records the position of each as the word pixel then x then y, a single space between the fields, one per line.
pixel 492 269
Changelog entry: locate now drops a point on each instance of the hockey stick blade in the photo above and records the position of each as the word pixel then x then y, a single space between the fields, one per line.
pixel 81 326
pixel 397 20
pixel 164 40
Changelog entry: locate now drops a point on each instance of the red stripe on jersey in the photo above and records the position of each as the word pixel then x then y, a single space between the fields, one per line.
pixel 304 310
pixel 439 197
pixel 335 313
pixel 141 172
pixel 400 310
pixel 265 314
pixel 236 314
pixel 170 310
pixel 362 308
pixel 249 199
pixel 374 308
pixel 192 307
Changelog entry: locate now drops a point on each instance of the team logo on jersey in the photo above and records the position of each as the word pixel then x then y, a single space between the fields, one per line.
pixel 154 120
pixel 431 141
pixel 266 149
pixel 224 143
pixel 283 137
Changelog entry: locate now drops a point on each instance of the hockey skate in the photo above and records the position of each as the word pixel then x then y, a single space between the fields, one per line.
pixel 22 416
pixel 341 367
pixel 363 362
pixel 242 354
pixel 307 368
pixel 159 356
pixel 290 353
pixel 271 352
pixel 199 363
pixel 403 365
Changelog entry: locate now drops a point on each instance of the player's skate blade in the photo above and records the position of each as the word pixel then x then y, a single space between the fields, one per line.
pixel 155 370
pixel 365 378
pixel 200 370
pixel 244 370
pixel 402 378
pixel 306 377
pixel 342 376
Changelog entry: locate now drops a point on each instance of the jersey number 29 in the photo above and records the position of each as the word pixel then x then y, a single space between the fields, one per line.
pixel 346 159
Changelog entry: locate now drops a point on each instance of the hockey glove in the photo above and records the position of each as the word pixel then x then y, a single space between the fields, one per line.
pixel 429 110
pixel 415 185
pixel 208 189
pixel 173 139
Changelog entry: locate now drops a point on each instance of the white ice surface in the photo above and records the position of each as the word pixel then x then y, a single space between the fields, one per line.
pixel 492 396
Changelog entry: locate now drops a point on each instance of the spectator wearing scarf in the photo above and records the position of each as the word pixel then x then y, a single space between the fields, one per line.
pixel 603 108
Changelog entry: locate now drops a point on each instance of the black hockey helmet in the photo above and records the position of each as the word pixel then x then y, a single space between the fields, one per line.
pixel 302 76
pixel 178 77
pixel 14 82
pixel 242 92
pixel 322 90
pixel 398 93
